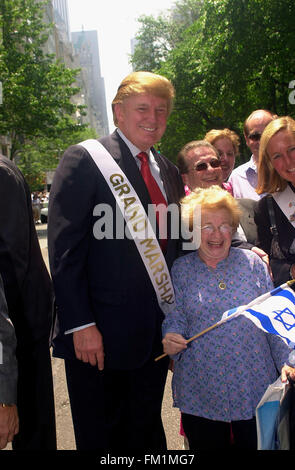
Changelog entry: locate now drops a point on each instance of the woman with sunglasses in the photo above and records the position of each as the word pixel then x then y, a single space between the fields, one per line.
pixel 199 165
pixel 220 377
pixel 275 213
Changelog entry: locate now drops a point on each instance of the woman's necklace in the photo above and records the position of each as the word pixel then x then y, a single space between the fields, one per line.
pixel 218 276
pixel 215 271
pixel 220 282
pixel 222 285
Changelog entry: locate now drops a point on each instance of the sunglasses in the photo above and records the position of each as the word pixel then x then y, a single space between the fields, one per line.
pixel 255 136
pixel 202 166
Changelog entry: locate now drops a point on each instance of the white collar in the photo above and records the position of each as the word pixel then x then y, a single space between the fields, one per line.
pixel 133 149
pixel 252 163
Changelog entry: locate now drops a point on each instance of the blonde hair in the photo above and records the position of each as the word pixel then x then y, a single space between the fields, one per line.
pixel 269 181
pixel 210 199
pixel 144 82
pixel 215 134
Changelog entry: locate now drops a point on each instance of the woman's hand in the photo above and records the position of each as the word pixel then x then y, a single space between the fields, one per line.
pixel 174 343
pixel 261 254
pixel 287 372
pixel 264 256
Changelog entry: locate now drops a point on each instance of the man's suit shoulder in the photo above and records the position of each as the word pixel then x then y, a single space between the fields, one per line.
pixel 12 180
pixel 76 163
pixel 9 169
pixel 5 162
pixel 167 162
pixel 167 165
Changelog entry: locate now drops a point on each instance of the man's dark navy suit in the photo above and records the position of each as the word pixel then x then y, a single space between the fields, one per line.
pixel 105 281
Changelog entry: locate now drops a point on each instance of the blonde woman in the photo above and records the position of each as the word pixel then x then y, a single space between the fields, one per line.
pixel 275 213
pixel 227 144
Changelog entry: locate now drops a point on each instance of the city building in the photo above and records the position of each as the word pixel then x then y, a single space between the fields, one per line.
pixel 78 50
pixel 87 52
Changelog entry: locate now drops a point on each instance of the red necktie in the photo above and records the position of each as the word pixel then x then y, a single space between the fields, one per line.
pixel 155 192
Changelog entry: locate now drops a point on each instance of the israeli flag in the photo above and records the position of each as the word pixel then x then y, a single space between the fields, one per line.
pixel 273 312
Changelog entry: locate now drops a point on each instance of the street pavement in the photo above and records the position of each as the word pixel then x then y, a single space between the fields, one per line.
pixel 65 435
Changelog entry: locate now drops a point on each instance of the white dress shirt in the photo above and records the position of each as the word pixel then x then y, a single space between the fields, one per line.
pixel 244 180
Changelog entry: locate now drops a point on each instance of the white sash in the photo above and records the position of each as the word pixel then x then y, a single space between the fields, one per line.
pixel 286 202
pixel 127 198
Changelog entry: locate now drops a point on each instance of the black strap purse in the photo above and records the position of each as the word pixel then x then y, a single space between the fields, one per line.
pixel 275 250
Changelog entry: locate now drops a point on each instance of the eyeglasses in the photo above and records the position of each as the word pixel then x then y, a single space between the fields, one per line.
pixel 223 228
pixel 202 166
pixel 255 136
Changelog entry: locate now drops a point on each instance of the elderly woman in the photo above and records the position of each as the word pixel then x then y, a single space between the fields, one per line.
pixel 275 213
pixel 219 378
pixel 227 144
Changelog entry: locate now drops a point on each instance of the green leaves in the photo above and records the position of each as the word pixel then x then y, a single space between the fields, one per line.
pixel 37 89
pixel 232 57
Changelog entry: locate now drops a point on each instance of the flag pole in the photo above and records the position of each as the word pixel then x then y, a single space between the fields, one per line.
pixel 195 336
pixel 220 322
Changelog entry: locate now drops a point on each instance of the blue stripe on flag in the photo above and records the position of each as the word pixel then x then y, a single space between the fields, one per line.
pixel 288 295
pixel 264 320
pixel 267 324
pixel 231 312
pixel 276 291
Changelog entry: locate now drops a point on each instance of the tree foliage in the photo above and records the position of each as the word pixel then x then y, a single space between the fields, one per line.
pixel 43 154
pixel 37 89
pixel 157 37
pixel 232 57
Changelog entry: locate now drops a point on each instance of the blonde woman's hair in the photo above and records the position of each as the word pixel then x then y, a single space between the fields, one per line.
pixel 210 199
pixel 215 134
pixel 269 181
pixel 144 82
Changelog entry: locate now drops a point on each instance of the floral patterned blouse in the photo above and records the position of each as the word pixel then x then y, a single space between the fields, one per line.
pixel 223 374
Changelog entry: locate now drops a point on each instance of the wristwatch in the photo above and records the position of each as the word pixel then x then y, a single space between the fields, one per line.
pixel 5 405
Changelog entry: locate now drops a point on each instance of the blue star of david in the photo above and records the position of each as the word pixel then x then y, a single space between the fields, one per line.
pixel 285 312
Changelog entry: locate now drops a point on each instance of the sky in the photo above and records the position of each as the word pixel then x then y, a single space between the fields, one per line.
pixel 116 24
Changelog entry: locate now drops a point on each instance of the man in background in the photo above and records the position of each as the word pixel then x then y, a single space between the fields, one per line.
pixel 244 178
